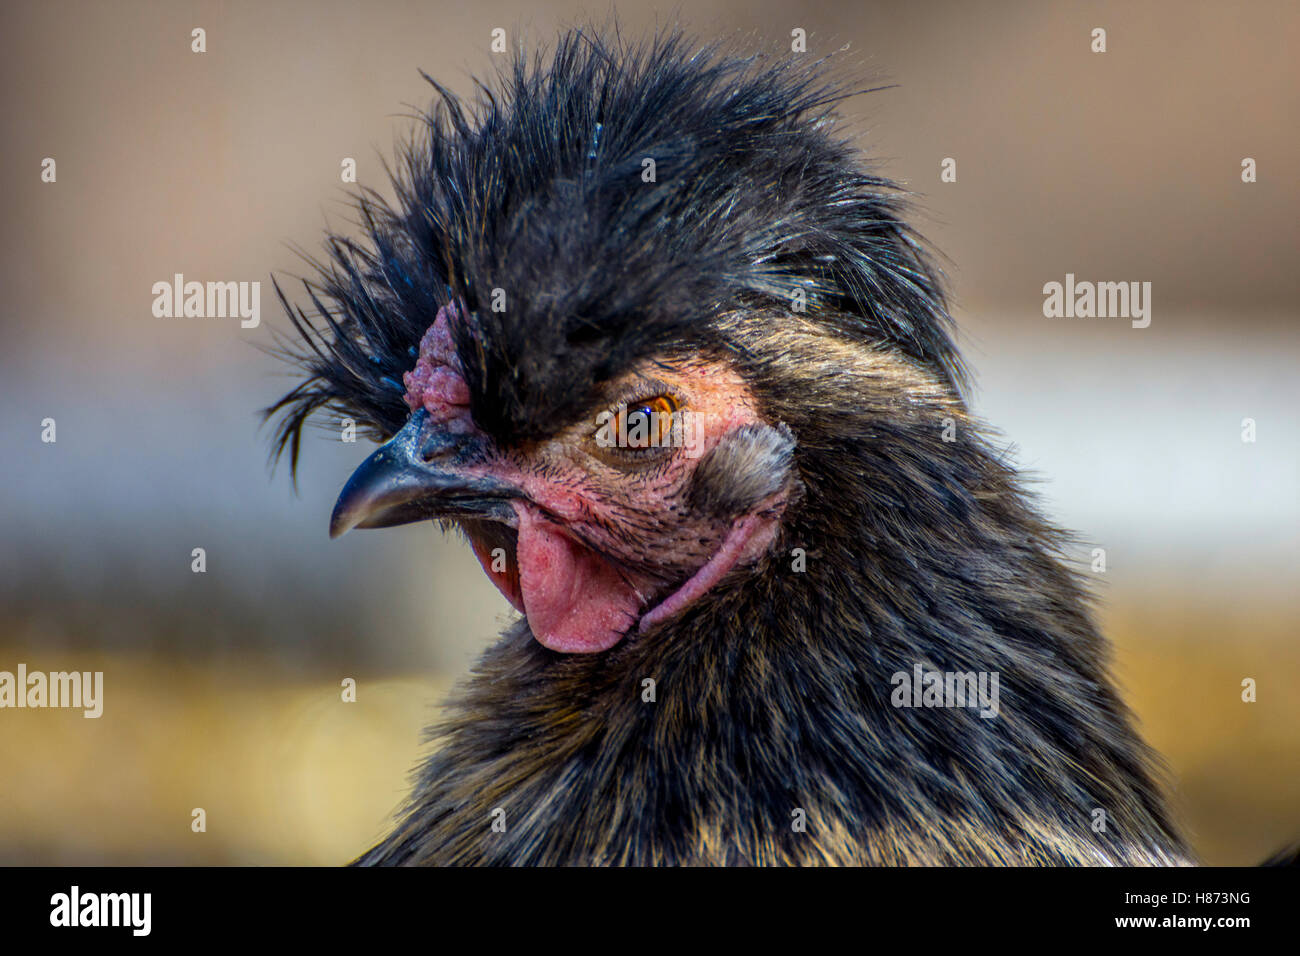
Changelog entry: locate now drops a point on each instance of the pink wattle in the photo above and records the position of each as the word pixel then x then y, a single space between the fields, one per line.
pixel 576 602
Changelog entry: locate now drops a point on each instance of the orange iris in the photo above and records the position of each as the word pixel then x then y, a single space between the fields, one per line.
pixel 648 423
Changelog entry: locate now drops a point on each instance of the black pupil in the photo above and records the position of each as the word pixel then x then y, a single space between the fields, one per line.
pixel 640 421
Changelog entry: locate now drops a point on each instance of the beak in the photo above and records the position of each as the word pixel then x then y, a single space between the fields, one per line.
pixel 414 478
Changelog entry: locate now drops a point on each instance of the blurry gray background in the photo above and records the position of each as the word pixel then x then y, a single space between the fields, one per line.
pixel 222 688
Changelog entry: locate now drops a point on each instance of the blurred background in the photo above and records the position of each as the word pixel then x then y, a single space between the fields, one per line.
pixel 222 689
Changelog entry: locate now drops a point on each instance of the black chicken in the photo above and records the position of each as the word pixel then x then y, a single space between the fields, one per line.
pixel 642 326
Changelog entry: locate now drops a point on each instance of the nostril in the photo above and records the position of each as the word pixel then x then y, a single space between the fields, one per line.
pixel 437 446
pixel 432 450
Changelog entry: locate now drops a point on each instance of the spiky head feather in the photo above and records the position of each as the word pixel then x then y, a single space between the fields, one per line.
pixel 600 206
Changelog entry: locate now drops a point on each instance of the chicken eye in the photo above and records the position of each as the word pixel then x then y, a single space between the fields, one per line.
pixel 647 423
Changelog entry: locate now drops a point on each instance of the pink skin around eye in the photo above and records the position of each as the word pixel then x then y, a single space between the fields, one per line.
pixel 575 599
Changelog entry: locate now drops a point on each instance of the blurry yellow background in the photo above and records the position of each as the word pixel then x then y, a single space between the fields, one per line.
pixel 222 690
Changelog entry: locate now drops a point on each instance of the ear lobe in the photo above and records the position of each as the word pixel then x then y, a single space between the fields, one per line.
pixel 748 466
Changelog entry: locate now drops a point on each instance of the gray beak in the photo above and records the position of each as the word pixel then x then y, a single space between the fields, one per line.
pixel 416 477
